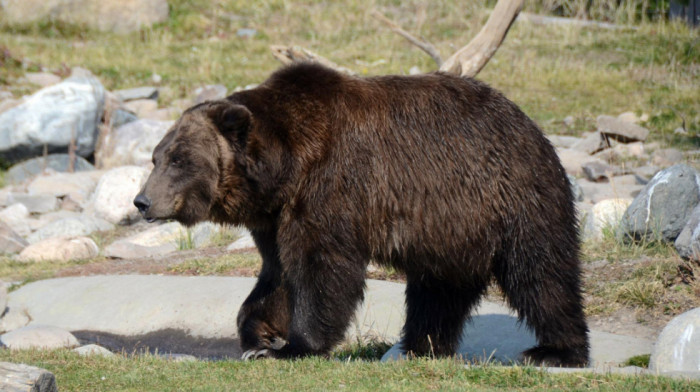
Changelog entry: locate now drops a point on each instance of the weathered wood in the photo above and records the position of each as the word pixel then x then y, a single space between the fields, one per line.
pixel 471 58
pixel 294 54
pixel 24 378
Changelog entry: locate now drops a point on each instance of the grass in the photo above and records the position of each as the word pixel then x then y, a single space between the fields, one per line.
pixel 551 71
pixel 151 373
pixel 218 266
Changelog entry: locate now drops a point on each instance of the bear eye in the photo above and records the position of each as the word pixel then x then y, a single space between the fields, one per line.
pixel 175 161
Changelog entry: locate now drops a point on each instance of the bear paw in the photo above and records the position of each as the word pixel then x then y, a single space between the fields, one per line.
pixel 549 356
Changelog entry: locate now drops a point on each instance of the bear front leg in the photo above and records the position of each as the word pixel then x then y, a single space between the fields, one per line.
pixel 263 319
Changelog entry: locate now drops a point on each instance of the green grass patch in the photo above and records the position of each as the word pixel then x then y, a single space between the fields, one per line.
pixel 639 360
pixel 150 373
pixel 26 272
pixel 218 266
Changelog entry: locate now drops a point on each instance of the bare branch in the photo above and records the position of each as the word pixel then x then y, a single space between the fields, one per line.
pixel 470 59
pixel 421 43
pixel 296 54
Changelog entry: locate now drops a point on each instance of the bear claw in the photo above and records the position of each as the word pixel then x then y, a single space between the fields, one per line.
pixel 255 354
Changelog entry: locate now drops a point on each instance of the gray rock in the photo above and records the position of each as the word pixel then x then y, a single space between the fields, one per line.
pixel 645 173
pixel 17 217
pixel 38 336
pixel 246 33
pixel 3 297
pixel 120 16
pixel 51 117
pixel 60 249
pixel 663 207
pixel 162 239
pixel 142 107
pixel 678 347
pixel 18 377
pixel 10 242
pixel 245 241
pixel 78 186
pixel 591 144
pixel 667 157
pixel 70 227
pixel 573 160
pixel 597 191
pixel 36 204
pixel 688 241
pixel 33 167
pixel 621 130
pixel 629 117
pixel 131 94
pixel 132 144
pixel 210 93
pixel 43 79
pixel 14 318
pixel 120 117
pixel 597 171
pixel 92 350
pixel 114 195
pixel 575 188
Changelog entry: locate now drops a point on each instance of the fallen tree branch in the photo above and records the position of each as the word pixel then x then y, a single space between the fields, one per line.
pixel 295 54
pixel 471 58
pixel 421 43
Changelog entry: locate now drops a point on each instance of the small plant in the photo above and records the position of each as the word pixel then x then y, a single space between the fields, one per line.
pixel 367 350
pixel 185 241
pixel 639 360
pixel 639 293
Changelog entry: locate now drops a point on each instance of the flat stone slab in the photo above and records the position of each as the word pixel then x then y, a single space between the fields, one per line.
pixel 187 314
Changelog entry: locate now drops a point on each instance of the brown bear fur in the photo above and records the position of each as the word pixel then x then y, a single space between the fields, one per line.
pixel 436 175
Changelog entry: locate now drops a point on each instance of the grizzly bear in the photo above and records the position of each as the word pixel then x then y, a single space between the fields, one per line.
pixel 435 175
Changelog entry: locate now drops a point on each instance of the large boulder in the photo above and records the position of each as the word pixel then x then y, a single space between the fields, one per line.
pixel 677 348
pixel 38 337
pixel 621 130
pixel 52 117
pixel 10 242
pixel 132 143
pixel 663 207
pixel 114 195
pixel 81 225
pixel 23 171
pixel 78 186
pixel 60 249
pixel 119 16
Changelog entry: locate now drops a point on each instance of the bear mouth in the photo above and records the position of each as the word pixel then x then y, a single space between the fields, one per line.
pixel 151 220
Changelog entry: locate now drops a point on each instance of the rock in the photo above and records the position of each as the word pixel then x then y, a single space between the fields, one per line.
pixel 162 239
pixel 78 186
pixel 591 144
pixel 16 216
pixel 645 173
pixel 33 167
pixel 573 160
pixel 17 377
pixel 606 216
pixel 178 357
pixel 131 94
pixel 164 114
pixel 630 150
pixel 38 336
pixel 7 104
pixel 60 249
pixel 10 242
pixel 3 298
pixel 36 204
pixel 598 171
pixel 114 195
pixel 70 227
pixel 51 117
pixel 678 347
pixel 93 349
pixel 120 117
pixel 569 121
pixel 629 117
pixel 142 107
pixel 14 318
pixel 620 130
pixel 666 157
pixel 43 79
pixel 245 241
pixel 246 33
pixel 688 241
pixel 563 141
pixel 209 93
pixel 120 16
pixel 663 207
pixel 132 144
pixel 575 188
pixel 596 192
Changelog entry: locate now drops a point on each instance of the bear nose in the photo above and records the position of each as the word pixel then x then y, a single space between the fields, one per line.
pixel 142 203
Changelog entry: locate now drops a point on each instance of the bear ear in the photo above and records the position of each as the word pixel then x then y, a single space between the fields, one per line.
pixel 233 121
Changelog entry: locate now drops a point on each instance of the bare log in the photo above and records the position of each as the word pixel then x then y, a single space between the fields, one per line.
pixel 421 43
pixel 470 59
pixel 294 54
pixel 18 377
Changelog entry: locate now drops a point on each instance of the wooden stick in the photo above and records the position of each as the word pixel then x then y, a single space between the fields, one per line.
pixel 294 54
pixel 421 43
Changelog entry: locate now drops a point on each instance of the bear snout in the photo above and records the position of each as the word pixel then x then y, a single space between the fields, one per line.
pixel 142 203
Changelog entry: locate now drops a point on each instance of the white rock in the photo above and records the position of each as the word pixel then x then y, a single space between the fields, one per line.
pixel 16 216
pixel 245 241
pixel 162 239
pixel 115 192
pixel 607 214
pixel 51 117
pixel 3 297
pixel 573 160
pixel 78 186
pixel 678 345
pixel 38 336
pixel 14 318
pixel 60 249
pixel 142 107
pixel 10 242
pixel 36 204
pixel 132 143
pixel 629 117
pixel 93 349
pixel 81 225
